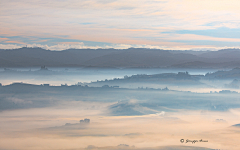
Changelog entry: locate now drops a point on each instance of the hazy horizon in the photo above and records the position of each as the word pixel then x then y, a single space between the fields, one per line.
pixel 113 48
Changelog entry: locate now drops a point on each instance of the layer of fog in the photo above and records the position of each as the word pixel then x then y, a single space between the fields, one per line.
pixel 137 118
pixel 45 117
pixel 58 76
pixel 46 128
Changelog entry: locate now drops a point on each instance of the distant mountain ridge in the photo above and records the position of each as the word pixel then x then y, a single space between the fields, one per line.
pixel 127 58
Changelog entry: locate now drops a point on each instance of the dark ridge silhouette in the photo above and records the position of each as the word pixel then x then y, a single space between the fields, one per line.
pixel 231 74
pixel 129 58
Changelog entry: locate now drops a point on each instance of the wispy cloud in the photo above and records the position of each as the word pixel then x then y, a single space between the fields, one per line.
pixel 121 21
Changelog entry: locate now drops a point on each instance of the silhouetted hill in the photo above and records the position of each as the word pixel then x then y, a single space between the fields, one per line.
pixel 26 57
pixel 132 57
pixel 225 53
pixel 231 74
pixel 140 58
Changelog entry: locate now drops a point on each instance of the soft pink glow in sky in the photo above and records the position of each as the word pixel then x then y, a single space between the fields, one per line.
pixel 155 23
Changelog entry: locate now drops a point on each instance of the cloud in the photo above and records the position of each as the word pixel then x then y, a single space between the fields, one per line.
pixel 81 45
pixel 162 113
pixel 9 46
pixel 3 39
pixel 120 21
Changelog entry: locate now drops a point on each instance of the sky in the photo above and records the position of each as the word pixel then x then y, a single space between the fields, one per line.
pixel 120 24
